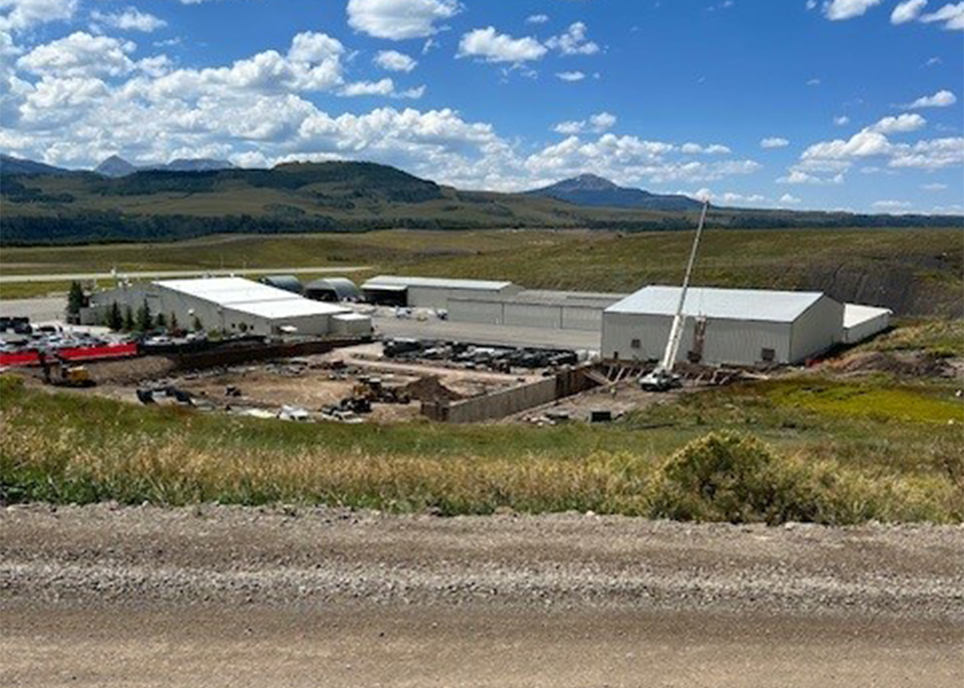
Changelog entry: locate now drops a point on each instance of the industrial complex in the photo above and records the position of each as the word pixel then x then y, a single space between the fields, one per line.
pixel 724 326
pixel 232 305
pixel 466 350
pixel 747 327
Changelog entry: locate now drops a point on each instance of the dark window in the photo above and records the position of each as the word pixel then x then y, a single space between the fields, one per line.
pixel 768 355
pixel 693 356
pixel 615 355
pixel 635 344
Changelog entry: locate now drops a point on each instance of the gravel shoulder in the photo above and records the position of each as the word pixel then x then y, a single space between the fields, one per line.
pixel 215 595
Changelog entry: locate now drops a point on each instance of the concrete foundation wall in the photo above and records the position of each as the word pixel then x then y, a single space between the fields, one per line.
pixel 497 404
pixel 509 401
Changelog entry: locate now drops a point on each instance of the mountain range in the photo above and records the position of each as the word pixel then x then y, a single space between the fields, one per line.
pixel 10 165
pixel 116 166
pixel 593 191
pixel 42 205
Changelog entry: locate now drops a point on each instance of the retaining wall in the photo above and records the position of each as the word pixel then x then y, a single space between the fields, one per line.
pixel 509 401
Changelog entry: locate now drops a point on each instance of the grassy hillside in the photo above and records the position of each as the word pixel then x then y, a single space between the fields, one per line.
pixel 912 271
pixel 823 458
pixel 335 196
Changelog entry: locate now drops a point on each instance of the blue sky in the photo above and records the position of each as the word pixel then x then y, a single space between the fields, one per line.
pixel 846 104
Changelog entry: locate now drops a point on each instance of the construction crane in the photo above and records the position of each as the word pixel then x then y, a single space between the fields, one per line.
pixel 662 378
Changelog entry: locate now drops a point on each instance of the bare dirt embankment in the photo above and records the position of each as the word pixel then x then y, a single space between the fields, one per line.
pixel 245 596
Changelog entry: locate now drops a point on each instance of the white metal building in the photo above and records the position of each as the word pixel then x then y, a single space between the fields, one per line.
pixel 431 292
pixel 861 322
pixel 235 305
pixel 564 310
pixel 724 326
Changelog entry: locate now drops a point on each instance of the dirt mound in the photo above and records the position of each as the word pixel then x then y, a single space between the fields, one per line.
pixel 902 364
pixel 430 389
pixel 131 370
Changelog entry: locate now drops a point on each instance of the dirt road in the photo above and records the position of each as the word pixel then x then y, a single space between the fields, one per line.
pixel 217 596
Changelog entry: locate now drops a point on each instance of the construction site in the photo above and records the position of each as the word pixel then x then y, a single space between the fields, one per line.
pixel 400 348
pixel 331 351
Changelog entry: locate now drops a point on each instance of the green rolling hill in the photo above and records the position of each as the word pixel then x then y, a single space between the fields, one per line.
pixel 332 196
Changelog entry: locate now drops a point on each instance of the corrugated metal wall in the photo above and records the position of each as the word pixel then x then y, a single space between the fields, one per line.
pixel 817 329
pixel 867 328
pixel 485 312
pixel 726 341
pixel 438 297
pixel 584 318
pixel 533 315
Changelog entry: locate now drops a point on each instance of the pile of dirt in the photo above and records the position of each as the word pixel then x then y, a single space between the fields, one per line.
pixel 902 364
pixel 430 389
pixel 131 370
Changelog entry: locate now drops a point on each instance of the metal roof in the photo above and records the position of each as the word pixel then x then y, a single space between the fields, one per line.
pixel 854 314
pixel 253 298
pixel 292 308
pixel 393 281
pixel 286 282
pixel 226 290
pixel 731 304
pixel 544 297
pixel 342 286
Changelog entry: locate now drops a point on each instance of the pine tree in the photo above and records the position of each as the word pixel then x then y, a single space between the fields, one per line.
pixel 197 325
pixel 128 319
pixel 115 320
pixel 161 320
pixel 174 322
pixel 145 321
pixel 76 299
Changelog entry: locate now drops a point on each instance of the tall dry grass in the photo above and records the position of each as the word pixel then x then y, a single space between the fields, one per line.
pixel 723 476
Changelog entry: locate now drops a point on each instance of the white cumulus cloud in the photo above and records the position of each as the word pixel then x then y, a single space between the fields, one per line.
pixel 837 10
pixel 943 98
pixel 400 19
pixel 907 11
pixel 489 45
pixel 573 41
pixel 394 61
pixel 80 54
pixel 899 124
pixel 19 15
pixel 774 142
pixel 130 19
pixel 571 76
pixel 951 14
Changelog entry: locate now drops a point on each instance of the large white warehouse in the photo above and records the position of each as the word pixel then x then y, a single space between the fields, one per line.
pixel 560 310
pixel 431 292
pixel 723 326
pixel 236 305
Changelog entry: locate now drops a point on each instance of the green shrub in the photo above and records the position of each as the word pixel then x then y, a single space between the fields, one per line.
pixel 727 476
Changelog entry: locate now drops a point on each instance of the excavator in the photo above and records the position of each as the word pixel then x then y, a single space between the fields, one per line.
pixel 68 375
pixel 662 378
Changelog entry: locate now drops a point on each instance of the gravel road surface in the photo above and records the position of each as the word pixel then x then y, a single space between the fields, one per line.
pixel 216 596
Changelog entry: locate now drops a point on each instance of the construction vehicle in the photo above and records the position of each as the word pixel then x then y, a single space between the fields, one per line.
pixel 372 389
pixel 662 378
pixel 72 376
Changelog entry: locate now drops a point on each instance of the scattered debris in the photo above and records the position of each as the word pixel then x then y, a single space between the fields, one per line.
pixel 294 413
pixel 904 364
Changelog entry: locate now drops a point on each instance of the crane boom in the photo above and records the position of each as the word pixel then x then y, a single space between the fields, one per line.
pixel 676 332
pixel 662 378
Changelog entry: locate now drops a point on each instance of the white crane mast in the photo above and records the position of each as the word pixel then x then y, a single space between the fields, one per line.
pixel 662 378
pixel 676 331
